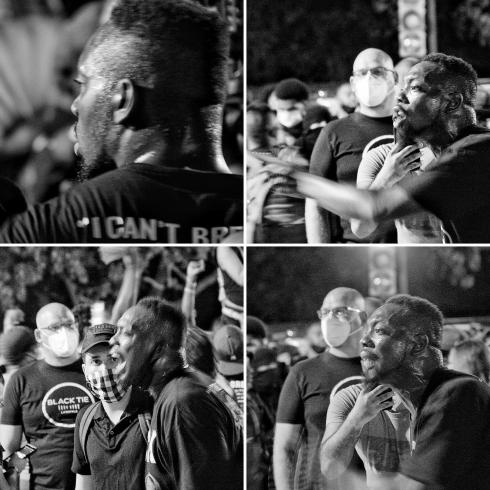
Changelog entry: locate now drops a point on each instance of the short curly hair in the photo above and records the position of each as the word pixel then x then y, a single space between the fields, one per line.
pixel 460 75
pixel 177 47
pixel 418 316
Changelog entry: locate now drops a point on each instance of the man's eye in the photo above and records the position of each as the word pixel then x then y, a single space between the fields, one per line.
pixel 415 88
pixel 77 81
pixel 96 362
pixel 379 331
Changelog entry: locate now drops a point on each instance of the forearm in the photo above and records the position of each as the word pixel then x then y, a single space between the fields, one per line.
pixel 189 300
pixel 337 450
pixel 128 292
pixel 10 438
pixel 341 199
pixel 361 228
pixel 283 465
pixel 316 229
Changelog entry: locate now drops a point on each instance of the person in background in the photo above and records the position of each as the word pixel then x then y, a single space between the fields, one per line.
pixel 346 99
pixel 257 333
pixel 12 318
pixel 306 393
pixel 339 148
pixel 43 399
pixel 228 348
pixel 471 357
pixel 111 434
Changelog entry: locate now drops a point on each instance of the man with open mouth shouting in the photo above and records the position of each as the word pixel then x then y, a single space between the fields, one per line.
pixel 193 441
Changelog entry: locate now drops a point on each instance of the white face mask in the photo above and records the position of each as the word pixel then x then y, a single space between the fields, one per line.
pixel 62 343
pixel 336 331
pixel 371 92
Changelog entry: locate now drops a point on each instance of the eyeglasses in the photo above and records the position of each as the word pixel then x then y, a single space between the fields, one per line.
pixel 376 72
pixel 339 312
pixel 55 327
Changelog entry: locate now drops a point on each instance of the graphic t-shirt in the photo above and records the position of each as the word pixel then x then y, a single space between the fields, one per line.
pixel 139 203
pixel 383 442
pixel 45 401
pixel 415 228
pixel 194 443
pixel 304 400
pixel 337 155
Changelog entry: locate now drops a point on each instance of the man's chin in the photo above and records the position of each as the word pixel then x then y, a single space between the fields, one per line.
pixel 91 168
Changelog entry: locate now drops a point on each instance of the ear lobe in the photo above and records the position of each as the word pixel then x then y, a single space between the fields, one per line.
pixel 123 100
pixel 454 102
pixel 37 335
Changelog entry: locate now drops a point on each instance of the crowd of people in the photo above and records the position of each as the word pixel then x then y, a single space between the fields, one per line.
pixel 377 163
pixel 140 398
pixel 377 395
pixel 158 104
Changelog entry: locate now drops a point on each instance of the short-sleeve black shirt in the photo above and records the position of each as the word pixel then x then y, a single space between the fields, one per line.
pixel 456 187
pixel 115 453
pixel 338 153
pixel 138 203
pixel 194 443
pixel 304 401
pixel 452 434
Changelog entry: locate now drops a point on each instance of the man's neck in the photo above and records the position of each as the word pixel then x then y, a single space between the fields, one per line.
pixel 344 352
pixel 177 148
pixel 114 410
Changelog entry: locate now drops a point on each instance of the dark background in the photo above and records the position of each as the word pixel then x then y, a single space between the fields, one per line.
pixel 317 40
pixel 287 284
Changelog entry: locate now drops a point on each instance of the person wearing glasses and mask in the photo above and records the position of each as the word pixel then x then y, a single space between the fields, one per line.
pixel 340 146
pixel 43 399
pixel 306 393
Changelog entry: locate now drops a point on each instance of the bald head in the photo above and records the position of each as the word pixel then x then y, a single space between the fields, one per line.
pixel 54 314
pixel 344 297
pixel 372 57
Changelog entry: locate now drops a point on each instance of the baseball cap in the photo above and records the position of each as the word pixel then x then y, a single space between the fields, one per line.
pixel 228 345
pixel 98 334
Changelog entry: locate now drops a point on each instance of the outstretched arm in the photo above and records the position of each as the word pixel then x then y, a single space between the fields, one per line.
pixel 349 202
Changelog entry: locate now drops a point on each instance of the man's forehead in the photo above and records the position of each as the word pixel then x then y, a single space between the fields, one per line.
pixel 130 317
pixel 335 299
pixel 384 314
pixel 424 71
pixel 372 60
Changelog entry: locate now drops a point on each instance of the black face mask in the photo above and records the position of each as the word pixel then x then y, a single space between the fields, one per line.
pixel 319 349
pixel 348 108
pixel 295 131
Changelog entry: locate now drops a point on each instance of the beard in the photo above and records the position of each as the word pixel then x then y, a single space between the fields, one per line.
pixel 91 167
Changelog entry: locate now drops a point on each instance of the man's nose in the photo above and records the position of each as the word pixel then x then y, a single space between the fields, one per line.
pixel 402 97
pixel 113 339
pixel 366 340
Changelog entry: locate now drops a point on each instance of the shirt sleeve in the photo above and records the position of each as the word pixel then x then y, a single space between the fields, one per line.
pixel 80 464
pixel 12 409
pixel 370 166
pixel 447 187
pixel 341 404
pixel 322 162
pixel 290 409
pixel 450 434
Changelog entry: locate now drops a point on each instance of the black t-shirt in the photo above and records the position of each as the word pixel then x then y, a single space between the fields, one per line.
pixel 304 400
pixel 456 187
pixel 115 452
pixel 134 204
pixel 338 153
pixel 194 443
pixel 45 401
pixel 452 434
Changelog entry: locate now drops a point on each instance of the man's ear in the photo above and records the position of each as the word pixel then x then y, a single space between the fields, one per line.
pixel 123 100
pixel 420 343
pixel 37 335
pixel 454 101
